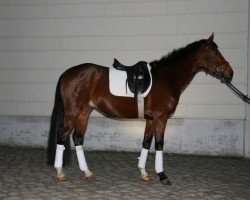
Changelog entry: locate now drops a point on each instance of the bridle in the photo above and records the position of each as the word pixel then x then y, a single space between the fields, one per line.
pixel 218 71
pixel 221 68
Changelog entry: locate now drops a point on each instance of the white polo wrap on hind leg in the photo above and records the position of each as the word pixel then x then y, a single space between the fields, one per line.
pixel 59 156
pixel 142 162
pixel 59 159
pixel 143 158
pixel 158 161
pixel 81 158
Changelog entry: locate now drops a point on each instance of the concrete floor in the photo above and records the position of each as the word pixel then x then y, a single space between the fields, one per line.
pixel 24 175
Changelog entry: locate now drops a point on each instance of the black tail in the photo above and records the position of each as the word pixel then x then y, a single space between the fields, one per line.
pixel 56 126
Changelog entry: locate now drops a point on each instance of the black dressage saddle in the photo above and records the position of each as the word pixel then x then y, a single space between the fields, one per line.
pixel 138 77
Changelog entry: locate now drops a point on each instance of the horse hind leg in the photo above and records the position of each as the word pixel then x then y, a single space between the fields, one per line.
pixel 62 142
pixel 58 165
pixel 81 157
pixel 78 138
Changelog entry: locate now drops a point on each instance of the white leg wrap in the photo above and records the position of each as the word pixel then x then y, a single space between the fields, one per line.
pixel 59 156
pixel 143 172
pixel 81 158
pixel 158 161
pixel 143 158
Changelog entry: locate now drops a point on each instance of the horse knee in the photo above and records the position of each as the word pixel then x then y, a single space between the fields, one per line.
pixel 147 140
pixel 159 145
pixel 146 144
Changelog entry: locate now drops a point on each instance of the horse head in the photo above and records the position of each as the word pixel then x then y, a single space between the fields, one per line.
pixel 211 60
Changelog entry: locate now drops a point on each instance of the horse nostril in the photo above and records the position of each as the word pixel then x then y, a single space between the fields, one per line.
pixel 229 78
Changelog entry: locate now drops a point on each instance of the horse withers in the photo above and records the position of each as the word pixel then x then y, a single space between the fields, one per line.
pixel 84 88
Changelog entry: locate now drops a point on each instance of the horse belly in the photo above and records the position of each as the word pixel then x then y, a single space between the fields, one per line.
pixel 110 105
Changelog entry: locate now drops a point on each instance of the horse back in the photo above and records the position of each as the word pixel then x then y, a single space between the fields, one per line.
pixel 87 85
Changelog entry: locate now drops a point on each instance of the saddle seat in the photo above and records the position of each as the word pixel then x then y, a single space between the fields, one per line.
pixel 138 77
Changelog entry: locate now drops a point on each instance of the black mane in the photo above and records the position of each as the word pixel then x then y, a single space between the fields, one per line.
pixel 178 54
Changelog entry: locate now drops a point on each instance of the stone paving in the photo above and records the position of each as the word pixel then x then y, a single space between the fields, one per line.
pixel 24 175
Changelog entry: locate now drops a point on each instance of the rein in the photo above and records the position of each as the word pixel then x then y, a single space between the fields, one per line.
pixel 238 93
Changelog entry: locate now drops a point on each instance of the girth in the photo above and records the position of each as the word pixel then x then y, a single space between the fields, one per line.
pixel 138 77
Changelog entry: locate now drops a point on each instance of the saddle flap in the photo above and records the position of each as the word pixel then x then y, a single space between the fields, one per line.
pixel 138 76
pixel 139 81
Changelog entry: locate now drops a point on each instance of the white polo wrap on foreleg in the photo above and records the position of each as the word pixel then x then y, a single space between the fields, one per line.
pixel 81 158
pixel 143 158
pixel 59 156
pixel 158 161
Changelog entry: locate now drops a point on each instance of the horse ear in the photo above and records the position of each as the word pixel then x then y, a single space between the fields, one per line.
pixel 210 39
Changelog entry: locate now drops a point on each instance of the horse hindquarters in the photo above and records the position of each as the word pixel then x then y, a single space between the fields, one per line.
pixel 57 130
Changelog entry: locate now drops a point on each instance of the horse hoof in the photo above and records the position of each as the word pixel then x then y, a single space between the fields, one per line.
pixel 90 177
pixel 145 178
pixel 166 182
pixel 61 178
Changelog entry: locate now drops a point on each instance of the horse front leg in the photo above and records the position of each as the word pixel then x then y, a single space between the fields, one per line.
pixel 148 135
pixel 160 125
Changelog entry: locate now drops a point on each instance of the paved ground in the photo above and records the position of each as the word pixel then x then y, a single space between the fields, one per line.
pixel 24 175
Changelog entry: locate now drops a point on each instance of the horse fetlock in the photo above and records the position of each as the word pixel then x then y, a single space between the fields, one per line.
pixel 89 175
pixel 59 171
pixel 145 178
pixel 61 177
pixel 143 172
pixel 144 175
pixel 60 174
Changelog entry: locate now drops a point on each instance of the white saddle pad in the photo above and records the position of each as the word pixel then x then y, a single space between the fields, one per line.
pixel 117 83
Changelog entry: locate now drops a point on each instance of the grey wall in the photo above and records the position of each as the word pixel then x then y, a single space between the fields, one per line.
pixel 183 136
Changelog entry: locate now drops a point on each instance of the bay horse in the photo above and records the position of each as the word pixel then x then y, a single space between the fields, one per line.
pixel 84 88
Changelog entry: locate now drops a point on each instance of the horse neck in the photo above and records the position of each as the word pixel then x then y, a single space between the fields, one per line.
pixel 181 73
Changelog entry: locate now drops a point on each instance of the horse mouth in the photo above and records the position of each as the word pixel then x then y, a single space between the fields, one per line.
pixel 225 73
pixel 227 77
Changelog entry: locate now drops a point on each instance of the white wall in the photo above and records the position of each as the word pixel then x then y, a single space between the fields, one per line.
pixel 39 39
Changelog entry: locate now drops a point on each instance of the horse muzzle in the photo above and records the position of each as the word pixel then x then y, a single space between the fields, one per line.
pixel 224 72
